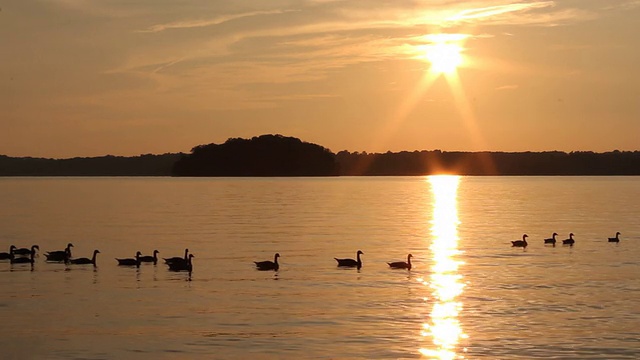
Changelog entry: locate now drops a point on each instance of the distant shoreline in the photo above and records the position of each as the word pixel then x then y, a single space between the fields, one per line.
pixel 280 156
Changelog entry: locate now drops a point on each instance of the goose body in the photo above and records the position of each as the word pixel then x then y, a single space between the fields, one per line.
pixel 176 259
pixel 130 262
pixel 615 239
pixel 401 264
pixel 26 251
pixel 268 265
pixel 24 260
pixel 182 266
pixel 85 261
pixel 551 240
pixel 520 243
pixel 9 255
pixel 59 255
pixel 350 262
pixel 569 241
pixel 148 258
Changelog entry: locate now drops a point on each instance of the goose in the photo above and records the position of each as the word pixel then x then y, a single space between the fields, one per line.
pixel 401 264
pixel 26 251
pixel 551 240
pixel 59 255
pixel 175 259
pixel 351 262
pixel 520 243
pixel 24 260
pixel 84 261
pixel 268 265
pixel 615 239
pixel 130 262
pixel 148 258
pixel 569 241
pixel 182 266
pixel 9 255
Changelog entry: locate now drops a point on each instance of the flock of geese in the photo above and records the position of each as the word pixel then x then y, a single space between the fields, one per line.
pixel 27 256
pixel 552 240
pixel 352 263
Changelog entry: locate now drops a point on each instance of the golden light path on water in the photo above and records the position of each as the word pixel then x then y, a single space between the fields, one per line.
pixel 445 283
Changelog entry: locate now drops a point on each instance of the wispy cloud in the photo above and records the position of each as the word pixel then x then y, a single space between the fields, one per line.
pixel 492 11
pixel 208 22
pixel 507 87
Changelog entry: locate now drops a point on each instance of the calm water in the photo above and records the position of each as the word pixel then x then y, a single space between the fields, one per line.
pixel 469 295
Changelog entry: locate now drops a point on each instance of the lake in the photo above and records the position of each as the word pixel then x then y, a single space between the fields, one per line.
pixel 469 294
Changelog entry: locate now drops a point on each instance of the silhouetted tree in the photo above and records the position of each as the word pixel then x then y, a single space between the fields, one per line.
pixel 266 155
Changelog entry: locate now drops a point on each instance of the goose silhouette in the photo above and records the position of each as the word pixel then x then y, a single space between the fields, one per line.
pixel 551 240
pixel 401 264
pixel 177 259
pixel 570 241
pixel 350 262
pixel 615 239
pixel 85 261
pixel 9 255
pixel 520 243
pixel 268 265
pixel 59 255
pixel 129 261
pixel 182 266
pixel 148 258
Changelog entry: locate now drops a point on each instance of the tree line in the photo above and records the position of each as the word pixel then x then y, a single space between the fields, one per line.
pixel 277 155
pixel 143 165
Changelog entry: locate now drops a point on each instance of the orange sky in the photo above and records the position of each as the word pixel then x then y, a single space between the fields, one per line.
pixel 88 78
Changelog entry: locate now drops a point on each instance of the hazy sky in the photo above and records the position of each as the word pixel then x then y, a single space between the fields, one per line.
pixel 91 77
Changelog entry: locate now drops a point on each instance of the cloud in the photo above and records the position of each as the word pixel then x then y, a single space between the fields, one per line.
pixel 209 22
pixel 492 11
pixel 507 87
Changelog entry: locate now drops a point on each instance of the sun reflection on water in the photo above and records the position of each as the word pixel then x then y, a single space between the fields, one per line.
pixel 445 283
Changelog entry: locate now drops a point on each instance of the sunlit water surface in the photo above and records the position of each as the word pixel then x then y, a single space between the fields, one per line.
pixel 470 295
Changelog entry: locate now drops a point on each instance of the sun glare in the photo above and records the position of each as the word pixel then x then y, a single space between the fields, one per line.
pixel 443 52
pixel 444 57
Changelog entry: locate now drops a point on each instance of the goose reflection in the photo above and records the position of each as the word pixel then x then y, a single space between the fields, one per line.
pixel 445 283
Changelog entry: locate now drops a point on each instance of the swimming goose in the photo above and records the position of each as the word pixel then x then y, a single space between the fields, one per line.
pixel 615 239
pixel 176 259
pixel 24 260
pixel 84 261
pixel 402 264
pixel 350 262
pixel 148 258
pixel 551 240
pixel 569 241
pixel 182 266
pixel 130 261
pixel 520 243
pixel 26 251
pixel 59 255
pixel 268 265
pixel 9 255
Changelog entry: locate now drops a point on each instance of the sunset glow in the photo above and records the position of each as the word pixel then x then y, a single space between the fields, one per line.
pixel 385 76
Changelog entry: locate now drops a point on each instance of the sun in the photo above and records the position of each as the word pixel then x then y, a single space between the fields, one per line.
pixel 444 57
